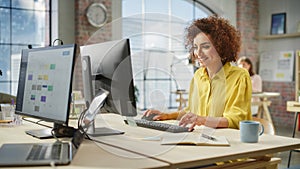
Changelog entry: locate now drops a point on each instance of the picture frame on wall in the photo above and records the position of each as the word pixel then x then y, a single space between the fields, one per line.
pixel 278 23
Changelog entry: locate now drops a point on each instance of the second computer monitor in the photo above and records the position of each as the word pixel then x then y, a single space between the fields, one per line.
pixel 45 86
pixel 111 69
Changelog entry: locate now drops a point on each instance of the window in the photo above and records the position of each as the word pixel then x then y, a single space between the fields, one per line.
pixel 160 60
pixel 22 23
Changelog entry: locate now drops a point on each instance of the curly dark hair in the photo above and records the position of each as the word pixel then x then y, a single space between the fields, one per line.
pixel 225 38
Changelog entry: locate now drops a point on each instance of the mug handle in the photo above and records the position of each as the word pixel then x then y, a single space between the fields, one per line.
pixel 262 129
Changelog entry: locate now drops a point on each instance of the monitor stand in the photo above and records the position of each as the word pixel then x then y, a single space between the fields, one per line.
pixel 60 131
pixel 41 134
pixel 102 131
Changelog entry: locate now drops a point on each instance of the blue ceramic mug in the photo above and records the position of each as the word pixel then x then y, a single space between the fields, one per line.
pixel 250 131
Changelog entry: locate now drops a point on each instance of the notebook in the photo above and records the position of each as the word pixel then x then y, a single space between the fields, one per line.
pixel 38 154
pixel 193 139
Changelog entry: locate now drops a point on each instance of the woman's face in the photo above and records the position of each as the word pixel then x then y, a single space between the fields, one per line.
pixel 245 65
pixel 204 51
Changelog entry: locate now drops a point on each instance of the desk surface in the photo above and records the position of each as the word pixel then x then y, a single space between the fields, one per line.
pixel 89 155
pixel 293 106
pixel 188 156
pixel 266 94
pixel 132 151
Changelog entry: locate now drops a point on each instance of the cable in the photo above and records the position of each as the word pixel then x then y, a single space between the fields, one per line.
pixel 82 129
pixel 54 135
pixel 80 120
pixel 83 125
pixel 61 42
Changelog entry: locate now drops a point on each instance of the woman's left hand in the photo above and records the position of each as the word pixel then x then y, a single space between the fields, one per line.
pixel 191 118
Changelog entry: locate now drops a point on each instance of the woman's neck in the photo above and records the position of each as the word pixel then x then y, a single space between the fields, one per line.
pixel 213 70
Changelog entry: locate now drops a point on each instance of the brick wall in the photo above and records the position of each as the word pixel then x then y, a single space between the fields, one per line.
pixel 247 23
pixel 278 108
pixel 84 31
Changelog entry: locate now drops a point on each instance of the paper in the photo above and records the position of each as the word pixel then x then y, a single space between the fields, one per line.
pixel 193 139
pixel 277 66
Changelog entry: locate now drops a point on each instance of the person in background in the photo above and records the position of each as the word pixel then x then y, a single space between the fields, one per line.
pixel 246 63
pixel 219 94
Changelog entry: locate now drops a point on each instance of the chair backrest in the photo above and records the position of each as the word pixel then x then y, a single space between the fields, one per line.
pixel 269 129
pixel 6 98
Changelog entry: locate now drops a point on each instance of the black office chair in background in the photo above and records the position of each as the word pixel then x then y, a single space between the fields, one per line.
pixel 6 98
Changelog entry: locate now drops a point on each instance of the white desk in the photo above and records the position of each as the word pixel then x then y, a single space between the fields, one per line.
pixel 294 107
pixel 89 154
pixel 190 156
pixel 130 151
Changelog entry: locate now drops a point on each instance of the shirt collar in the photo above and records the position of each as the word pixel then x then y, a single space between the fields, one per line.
pixel 226 69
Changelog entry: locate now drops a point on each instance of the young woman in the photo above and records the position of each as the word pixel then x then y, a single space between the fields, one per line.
pixel 246 63
pixel 256 81
pixel 219 94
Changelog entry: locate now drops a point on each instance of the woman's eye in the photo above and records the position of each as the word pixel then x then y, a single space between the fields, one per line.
pixel 206 46
pixel 194 48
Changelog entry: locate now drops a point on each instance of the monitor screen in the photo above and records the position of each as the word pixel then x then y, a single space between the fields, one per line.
pixel 111 69
pixel 45 83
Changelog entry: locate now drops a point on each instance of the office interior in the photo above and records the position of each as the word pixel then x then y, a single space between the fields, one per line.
pixel 161 66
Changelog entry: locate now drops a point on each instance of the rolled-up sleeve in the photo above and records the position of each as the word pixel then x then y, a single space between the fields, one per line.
pixel 238 106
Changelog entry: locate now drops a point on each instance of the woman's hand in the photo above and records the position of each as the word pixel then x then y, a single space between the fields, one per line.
pixel 158 115
pixel 193 119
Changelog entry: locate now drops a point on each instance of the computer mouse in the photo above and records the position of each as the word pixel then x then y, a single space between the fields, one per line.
pixel 149 117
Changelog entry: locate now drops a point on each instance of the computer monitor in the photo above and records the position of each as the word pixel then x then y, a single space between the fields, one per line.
pixel 45 87
pixel 111 70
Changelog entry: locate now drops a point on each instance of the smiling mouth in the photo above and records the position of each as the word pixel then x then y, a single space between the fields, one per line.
pixel 202 59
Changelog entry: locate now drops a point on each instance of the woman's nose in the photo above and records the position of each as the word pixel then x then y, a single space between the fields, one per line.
pixel 198 53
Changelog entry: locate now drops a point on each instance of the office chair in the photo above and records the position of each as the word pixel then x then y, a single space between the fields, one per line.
pixel 6 98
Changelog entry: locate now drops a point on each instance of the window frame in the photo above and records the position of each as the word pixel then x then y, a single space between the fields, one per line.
pixel 8 79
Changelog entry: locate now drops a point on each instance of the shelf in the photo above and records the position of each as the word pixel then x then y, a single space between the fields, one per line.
pixel 280 36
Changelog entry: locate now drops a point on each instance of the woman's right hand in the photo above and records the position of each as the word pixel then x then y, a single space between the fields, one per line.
pixel 158 114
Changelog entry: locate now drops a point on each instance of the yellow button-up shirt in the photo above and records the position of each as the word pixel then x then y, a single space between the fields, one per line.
pixel 227 94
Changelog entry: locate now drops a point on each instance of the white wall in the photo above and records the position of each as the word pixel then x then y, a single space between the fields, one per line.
pixel 63 21
pixel 116 7
pixel 287 89
pixel 225 8
pixel 269 7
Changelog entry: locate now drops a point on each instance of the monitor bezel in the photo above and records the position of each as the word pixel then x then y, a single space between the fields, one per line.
pixel 22 79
